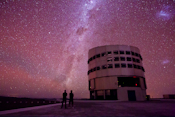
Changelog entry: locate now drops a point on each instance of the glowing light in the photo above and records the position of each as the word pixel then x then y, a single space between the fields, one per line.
pixel 166 13
pixel 165 61
pixel 163 13
pixel 136 84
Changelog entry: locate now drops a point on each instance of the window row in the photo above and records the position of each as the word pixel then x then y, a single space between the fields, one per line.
pixel 123 59
pixel 117 65
pixel 115 53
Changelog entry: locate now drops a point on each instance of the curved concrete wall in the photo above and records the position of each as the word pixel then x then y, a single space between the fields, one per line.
pixel 108 63
pixel 104 60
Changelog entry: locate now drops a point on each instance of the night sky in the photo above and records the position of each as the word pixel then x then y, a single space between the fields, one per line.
pixel 44 44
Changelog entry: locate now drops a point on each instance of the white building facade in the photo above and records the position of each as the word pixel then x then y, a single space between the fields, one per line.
pixel 116 72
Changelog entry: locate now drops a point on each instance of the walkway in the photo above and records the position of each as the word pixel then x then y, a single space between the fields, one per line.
pixel 102 108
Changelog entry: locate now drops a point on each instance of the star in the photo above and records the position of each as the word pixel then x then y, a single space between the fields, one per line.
pixel 44 44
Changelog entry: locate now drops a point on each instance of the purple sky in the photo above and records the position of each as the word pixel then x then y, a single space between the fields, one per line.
pixel 44 44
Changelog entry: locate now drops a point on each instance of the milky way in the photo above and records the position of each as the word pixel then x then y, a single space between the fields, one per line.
pixel 44 44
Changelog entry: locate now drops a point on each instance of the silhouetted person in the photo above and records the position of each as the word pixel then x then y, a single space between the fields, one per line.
pixel 71 95
pixel 64 98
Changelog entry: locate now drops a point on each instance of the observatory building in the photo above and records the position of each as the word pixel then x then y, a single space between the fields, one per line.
pixel 116 72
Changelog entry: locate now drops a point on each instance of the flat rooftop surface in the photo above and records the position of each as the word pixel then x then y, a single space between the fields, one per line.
pixel 163 107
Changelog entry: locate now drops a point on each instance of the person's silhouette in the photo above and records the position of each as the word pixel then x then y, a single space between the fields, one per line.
pixel 64 98
pixel 71 95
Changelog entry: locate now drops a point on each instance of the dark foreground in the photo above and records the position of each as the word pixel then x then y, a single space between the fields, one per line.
pixel 106 108
pixel 8 103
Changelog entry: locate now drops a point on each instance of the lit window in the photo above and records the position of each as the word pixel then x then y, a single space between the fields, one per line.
pixel 117 65
pixel 115 52
pixel 129 65
pixel 110 66
pixel 103 54
pixel 109 59
pixel 122 58
pixel 104 66
pixel 121 52
pixel 123 65
pixel 116 58
pixel 128 52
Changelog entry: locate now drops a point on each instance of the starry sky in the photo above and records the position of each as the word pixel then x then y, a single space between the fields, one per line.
pixel 44 44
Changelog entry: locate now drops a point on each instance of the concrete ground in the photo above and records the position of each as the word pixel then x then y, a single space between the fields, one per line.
pixel 101 108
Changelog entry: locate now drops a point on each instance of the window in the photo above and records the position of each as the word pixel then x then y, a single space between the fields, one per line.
pixel 109 52
pixel 98 55
pixel 132 53
pixel 128 82
pixel 94 69
pixel 93 57
pixel 88 72
pixel 109 59
pixel 121 52
pixel 135 66
pixel 122 58
pixel 136 54
pixel 140 56
pixel 129 65
pixel 116 58
pixel 144 83
pixel 138 67
pixel 110 66
pixel 137 60
pixel 117 65
pixel 104 67
pixel 98 68
pixel 128 58
pixel 128 52
pixel 90 59
pixel 123 65
pixel 115 52
pixel 103 54
pixel 143 69
pixel 133 59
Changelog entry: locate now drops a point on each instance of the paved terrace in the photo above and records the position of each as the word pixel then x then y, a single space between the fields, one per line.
pixel 160 107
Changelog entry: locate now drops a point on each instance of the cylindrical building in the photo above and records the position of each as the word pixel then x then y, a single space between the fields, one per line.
pixel 116 72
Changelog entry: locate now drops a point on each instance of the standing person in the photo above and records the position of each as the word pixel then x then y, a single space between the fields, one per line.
pixel 71 95
pixel 64 98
